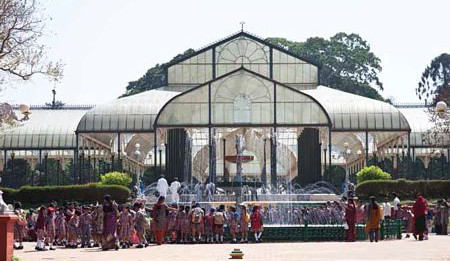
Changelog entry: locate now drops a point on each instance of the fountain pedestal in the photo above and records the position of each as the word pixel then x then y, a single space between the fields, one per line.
pixel 7 236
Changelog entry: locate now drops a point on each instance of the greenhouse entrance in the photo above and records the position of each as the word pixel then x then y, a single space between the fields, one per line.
pixel 243 129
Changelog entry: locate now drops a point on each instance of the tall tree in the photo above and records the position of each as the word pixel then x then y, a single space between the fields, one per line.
pixel 21 54
pixel 434 84
pixel 348 64
pixel 154 78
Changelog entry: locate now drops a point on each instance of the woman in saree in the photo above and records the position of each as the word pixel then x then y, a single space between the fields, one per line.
pixel 159 215
pixel 420 211
pixel 110 214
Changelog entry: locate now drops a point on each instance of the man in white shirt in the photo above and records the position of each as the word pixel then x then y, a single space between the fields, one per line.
pixel 396 206
pixel 174 187
pixel 162 186
pixel 387 208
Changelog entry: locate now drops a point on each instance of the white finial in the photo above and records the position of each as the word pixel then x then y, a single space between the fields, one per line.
pixel 242 26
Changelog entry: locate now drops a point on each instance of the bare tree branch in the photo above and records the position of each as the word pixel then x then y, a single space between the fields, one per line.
pixel 21 55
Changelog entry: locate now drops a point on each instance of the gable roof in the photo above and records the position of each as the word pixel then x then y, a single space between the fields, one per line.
pixel 250 36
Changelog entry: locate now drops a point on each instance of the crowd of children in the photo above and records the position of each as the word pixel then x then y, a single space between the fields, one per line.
pixel 71 226
pixel 89 226
pixel 193 224
pixel 111 226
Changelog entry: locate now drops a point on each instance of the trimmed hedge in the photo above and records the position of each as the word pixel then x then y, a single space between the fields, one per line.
pixel 116 178
pixel 405 189
pixel 88 193
pixel 372 173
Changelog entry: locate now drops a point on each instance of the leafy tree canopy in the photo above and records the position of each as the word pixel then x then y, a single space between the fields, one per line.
pixel 347 62
pixel 154 78
pixel 434 84
pixel 348 65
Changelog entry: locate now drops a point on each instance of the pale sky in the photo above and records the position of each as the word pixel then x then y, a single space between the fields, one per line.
pixel 107 43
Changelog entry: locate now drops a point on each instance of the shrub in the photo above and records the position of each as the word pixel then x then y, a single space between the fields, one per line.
pixel 405 189
pixel 116 178
pixel 372 173
pixel 88 193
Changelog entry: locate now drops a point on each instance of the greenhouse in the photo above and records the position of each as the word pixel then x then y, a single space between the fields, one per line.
pixel 241 109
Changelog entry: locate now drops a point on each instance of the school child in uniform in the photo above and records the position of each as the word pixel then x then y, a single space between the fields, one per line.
pixel 40 230
pixel 97 225
pixel 126 224
pixel 233 221
pixel 61 229
pixel 187 224
pixel 219 221
pixel 197 215
pixel 257 224
pixel 140 224
pixel 20 227
pixel 31 225
pixel 180 223
pixel 86 227
pixel 172 225
pixel 209 226
pixel 50 227
pixel 244 220
pixel 72 230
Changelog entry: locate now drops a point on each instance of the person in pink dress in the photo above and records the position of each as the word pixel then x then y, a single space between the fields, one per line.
pixel 50 227
pixel 244 220
pixel 126 224
pixel 61 229
pixel 209 226
pixel 233 222
pixel 172 224
pixel 257 224
pixel 180 223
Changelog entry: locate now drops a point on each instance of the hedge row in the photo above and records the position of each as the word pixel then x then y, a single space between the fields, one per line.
pixel 405 189
pixel 88 193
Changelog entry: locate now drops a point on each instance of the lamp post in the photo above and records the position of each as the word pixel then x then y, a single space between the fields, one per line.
pixel 112 161
pixel 347 153
pixel 161 148
pixel 45 168
pixel 82 167
pixel 138 158
pixel 324 148
pixel 12 165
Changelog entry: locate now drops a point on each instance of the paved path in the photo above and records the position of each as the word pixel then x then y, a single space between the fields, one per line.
pixel 437 248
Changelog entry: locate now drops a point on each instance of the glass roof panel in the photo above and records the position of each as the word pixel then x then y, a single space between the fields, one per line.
pixel 351 112
pixel 127 114
pixel 46 128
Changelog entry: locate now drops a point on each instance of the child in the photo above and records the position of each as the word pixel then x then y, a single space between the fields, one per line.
pixel 187 224
pixel 172 224
pixel 209 226
pixel 180 223
pixel 97 225
pixel 197 215
pixel 86 227
pixel 20 226
pixel 72 230
pixel 31 225
pixel 141 224
pixel 219 221
pixel 126 224
pixel 243 224
pixel 61 230
pixel 50 225
pixel 40 229
pixel 257 224
pixel 233 221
